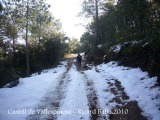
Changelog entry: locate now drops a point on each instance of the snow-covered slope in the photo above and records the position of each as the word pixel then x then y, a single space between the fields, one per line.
pixel 18 102
pixel 137 84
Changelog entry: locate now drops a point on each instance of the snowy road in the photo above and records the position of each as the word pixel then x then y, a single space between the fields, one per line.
pixel 105 92
pixel 74 98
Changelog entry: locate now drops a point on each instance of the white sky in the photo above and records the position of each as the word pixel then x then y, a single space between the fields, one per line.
pixel 67 11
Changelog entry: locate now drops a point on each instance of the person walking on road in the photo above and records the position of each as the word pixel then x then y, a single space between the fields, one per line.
pixel 79 59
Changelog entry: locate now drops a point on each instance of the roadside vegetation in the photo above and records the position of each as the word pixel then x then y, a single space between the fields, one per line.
pixel 46 42
pixel 133 25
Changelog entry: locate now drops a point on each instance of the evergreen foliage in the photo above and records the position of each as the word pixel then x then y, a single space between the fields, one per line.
pixel 46 41
pixel 128 20
pixel 125 22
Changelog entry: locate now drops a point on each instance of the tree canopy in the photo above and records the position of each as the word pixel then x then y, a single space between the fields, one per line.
pixel 46 42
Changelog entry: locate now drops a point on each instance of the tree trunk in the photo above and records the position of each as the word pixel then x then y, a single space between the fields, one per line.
pixel 97 35
pixel 27 49
pixel 13 47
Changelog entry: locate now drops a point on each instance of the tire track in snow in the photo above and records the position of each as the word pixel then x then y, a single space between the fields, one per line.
pixel 76 98
pixel 93 100
pixel 134 111
pixel 52 100
pixel 121 98
pixel 59 94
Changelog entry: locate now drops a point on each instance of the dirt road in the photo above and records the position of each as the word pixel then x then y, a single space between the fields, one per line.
pixel 77 97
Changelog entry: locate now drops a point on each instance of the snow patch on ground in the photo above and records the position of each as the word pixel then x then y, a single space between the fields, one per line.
pixel 136 83
pixel 27 94
pixel 116 48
